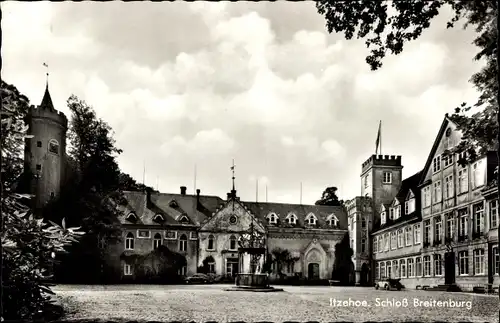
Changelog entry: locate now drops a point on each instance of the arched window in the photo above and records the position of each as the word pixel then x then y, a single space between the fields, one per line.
pixel 156 241
pixel 232 243
pixel 54 146
pixel 183 243
pixel 210 245
pixel 272 218
pixel 129 241
pixel 311 219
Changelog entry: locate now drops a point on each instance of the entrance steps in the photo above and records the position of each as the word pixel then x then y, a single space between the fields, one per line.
pixel 445 288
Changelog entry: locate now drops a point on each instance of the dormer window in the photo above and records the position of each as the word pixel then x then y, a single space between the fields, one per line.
pixel 292 218
pixel 383 217
pixel 173 204
pixel 410 206
pixel 131 217
pixel 184 219
pixel 332 220
pixel 391 214
pixel 272 218
pixel 158 218
pixel 311 219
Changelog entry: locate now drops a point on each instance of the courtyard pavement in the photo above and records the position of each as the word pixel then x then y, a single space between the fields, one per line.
pixel 203 303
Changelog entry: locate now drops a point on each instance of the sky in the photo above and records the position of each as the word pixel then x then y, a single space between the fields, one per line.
pixel 190 86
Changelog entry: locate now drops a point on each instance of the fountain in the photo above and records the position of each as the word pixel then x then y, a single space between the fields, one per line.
pixel 251 252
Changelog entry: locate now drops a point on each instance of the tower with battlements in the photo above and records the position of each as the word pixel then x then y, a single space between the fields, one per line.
pixel 45 152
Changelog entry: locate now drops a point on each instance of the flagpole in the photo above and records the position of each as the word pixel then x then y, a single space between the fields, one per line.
pixel 194 179
pixel 300 193
pixel 257 190
pixel 266 193
pixel 380 137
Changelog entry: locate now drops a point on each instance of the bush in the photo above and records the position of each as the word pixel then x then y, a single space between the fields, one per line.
pixel 29 247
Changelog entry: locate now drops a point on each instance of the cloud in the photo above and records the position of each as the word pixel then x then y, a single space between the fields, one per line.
pixel 201 83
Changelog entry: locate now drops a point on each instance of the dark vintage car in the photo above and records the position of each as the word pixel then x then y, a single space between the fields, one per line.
pixel 198 279
pixel 389 284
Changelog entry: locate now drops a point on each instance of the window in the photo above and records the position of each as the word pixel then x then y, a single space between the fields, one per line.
pixel 416 233
pixel 127 270
pixel 448 187
pixel 129 241
pixel 493 214
pixel 182 271
pixel 387 178
pixel 363 245
pixel 38 167
pixel 427 232
pixel 479 218
pixel 447 160
pixel 395 268
pixel 450 225
pixel 158 218
pixel 171 235
pixel 427 265
pixel 426 196
pixel 436 164
pixel 156 241
pixel 410 206
pixel 438 265
pixel 311 219
pixel 363 222
pixel 462 156
pixel 232 243
pixel 211 267
pixel 463 261
pixel 210 245
pixel 408 236
pixel 377 270
pixel 233 219
pixel 193 236
pixel 183 243
pixel 411 267
pixel 39 144
pixel 437 230
pixel 386 241
pixel 477 174
pixel 381 245
pixel 479 262
pixel 272 218
pixel 143 234
pixel 496 260
pixel 53 146
pixel 52 195
pixel 131 217
pixel 332 220
pixel 463 223
pixel 418 266
pixel 366 181
pixel 375 244
pixel 397 212
pixel 393 240
pixel 292 218
pixel 383 217
pixel 391 213
pixel 382 270
pixel 437 192
pixel 400 239
pixel 184 219
pixel 388 270
pixel 402 268
pixel 463 181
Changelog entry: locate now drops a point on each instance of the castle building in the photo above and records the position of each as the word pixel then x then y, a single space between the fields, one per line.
pixel 202 228
pixel 436 227
pixel 45 152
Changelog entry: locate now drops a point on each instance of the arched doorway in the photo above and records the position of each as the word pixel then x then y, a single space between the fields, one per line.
pixel 313 270
pixel 365 275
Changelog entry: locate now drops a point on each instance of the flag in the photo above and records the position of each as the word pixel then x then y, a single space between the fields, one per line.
pixel 232 167
pixel 379 135
pixel 45 64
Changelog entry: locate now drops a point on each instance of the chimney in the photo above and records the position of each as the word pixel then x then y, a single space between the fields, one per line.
pixel 198 192
pixel 197 196
pixel 183 190
pixel 148 197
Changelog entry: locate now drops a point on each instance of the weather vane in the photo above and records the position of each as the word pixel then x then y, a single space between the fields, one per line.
pixel 47 73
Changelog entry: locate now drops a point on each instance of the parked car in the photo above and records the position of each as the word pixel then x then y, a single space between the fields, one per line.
pixel 197 279
pixel 389 284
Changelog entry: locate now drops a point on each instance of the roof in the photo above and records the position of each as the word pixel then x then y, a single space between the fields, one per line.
pixel 411 183
pixel 261 210
pixel 47 100
pixel 161 203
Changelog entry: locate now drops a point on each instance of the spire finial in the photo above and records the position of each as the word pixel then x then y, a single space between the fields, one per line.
pixel 232 169
pixel 47 74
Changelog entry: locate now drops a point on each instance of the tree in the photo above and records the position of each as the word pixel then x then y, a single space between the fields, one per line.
pixel 28 243
pixel 91 195
pixel 329 197
pixel 281 258
pixel 343 266
pixel 370 20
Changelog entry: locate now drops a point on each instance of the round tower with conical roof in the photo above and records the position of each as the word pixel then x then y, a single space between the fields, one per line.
pixel 45 152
